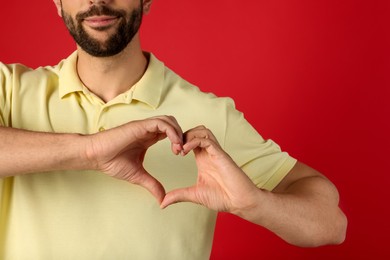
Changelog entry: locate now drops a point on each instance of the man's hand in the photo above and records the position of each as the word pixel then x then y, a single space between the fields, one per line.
pixel 221 184
pixel 303 209
pixel 119 152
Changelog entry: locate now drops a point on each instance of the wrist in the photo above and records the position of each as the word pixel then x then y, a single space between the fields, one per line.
pixel 253 209
pixel 73 150
pixel 87 153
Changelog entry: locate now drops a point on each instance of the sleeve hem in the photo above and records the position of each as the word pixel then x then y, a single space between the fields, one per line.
pixel 279 174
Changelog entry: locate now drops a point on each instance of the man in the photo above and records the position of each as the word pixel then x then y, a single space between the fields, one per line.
pixel 104 112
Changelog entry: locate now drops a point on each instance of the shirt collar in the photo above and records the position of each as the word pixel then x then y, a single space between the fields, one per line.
pixel 147 90
pixel 150 87
pixel 69 81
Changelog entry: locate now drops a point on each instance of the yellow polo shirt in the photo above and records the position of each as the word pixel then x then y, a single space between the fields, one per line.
pixel 88 215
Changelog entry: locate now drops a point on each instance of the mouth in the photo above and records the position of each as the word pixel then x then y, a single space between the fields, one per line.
pixel 99 22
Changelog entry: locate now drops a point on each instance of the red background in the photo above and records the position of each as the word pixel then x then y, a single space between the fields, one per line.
pixel 312 75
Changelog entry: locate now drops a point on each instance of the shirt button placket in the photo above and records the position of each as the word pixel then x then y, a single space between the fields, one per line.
pixel 100 122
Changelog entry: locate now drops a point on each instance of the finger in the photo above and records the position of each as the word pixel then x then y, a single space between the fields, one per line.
pixel 176 147
pixel 179 195
pixel 211 146
pixel 193 132
pixel 170 127
pixel 151 184
pixel 199 132
pixel 176 126
pixel 171 120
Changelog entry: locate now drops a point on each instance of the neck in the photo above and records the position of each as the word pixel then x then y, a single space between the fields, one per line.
pixel 108 77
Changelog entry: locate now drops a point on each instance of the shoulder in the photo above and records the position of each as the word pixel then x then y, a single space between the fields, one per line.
pixel 181 89
pixel 172 85
pixel 20 73
pixel 192 106
pixel 14 77
pixel 193 97
pixel 13 70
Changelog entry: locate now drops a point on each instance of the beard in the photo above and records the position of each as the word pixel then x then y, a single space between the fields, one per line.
pixel 127 28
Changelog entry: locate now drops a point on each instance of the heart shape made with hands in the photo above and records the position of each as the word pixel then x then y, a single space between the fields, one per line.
pixel 219 178
pixel 220 182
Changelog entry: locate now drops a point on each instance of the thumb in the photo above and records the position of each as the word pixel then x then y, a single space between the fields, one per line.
pixel 179 195
pixel 151 184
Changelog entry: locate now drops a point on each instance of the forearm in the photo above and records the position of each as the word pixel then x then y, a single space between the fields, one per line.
pixel 24 152
pixel 302 216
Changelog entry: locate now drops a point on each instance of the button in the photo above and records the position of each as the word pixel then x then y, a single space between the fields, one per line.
pixel 101 129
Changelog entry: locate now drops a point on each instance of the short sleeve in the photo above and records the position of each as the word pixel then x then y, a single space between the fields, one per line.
pixel 3 92
pixel 10 83
pixel 6 82
pixel 262 160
